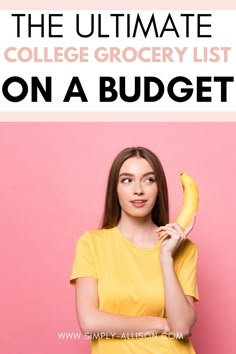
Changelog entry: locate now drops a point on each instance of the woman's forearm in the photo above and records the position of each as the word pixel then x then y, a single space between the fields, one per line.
pixel 180 313
pixel 122 326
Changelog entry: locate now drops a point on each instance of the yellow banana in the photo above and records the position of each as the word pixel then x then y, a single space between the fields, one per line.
pixel 190 202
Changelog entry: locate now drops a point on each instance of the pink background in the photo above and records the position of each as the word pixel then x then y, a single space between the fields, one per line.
pixel 52 186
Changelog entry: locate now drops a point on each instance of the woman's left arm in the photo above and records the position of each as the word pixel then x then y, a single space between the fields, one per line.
pixel 179 307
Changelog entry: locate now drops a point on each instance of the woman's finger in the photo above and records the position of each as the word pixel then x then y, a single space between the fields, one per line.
pixel 172 229
pixel 162 234
pixel 171 233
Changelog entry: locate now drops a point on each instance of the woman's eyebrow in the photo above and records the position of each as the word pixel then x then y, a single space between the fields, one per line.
pixel 131 174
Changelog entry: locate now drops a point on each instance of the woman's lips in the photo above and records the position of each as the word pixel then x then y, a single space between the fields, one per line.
pixel 138 203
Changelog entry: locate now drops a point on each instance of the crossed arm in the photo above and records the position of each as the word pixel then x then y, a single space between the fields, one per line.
pixel 93 320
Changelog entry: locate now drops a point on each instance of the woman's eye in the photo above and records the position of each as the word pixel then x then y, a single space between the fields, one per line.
pixel 150 180
pixel 126 180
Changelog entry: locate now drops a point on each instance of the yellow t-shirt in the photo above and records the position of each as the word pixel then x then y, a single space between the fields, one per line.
pixel 130 283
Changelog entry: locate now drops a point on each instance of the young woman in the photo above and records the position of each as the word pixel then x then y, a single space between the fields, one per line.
pixel 136 277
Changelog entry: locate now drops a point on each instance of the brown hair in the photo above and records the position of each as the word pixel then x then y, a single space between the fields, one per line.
pixel 112 210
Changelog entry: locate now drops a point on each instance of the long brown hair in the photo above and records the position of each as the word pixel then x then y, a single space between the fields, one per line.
pixel 112 210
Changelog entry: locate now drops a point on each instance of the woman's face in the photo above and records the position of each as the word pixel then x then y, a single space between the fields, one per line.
pixel 137 188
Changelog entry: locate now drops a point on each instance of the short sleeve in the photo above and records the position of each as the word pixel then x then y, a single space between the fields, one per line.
pixel 186 268
pixel 84 264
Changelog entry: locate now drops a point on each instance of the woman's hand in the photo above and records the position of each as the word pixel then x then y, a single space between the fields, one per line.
pixel 172 236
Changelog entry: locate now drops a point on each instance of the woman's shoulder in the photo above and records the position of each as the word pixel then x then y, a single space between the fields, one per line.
pixel 188 245
pixel 188 249
pixel 96 235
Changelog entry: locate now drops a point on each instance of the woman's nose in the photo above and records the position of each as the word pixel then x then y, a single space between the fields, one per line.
pixel 138 188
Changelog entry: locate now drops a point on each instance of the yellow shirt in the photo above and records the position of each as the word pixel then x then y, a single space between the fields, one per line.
pixel 130 283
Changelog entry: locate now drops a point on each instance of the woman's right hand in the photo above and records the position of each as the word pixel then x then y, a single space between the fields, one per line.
pixel 164 325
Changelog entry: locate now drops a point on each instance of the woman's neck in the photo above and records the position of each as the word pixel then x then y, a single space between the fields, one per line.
pixel 136 228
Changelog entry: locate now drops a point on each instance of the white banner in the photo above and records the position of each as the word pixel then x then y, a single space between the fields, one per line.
pixel 117 61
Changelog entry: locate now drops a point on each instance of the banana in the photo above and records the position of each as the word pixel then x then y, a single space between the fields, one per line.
pixel 190 202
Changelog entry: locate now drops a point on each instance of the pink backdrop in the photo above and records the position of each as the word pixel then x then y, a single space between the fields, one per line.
pixel 52 185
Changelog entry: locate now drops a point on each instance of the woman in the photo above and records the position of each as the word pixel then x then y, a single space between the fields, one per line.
pixel 136 277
